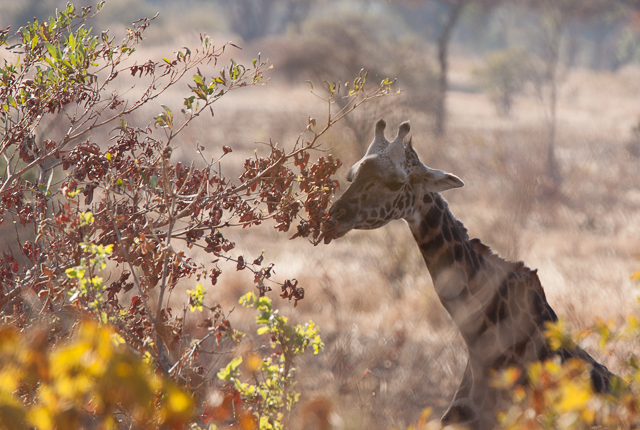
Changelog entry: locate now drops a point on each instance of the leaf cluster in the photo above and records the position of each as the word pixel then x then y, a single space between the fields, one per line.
pixel 560 394
pixel 271 397
pixel 94 372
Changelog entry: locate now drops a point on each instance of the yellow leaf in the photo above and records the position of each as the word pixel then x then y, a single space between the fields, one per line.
pixel 574 396
pixel 40 417
pixel 254 362
pixel 117 339
pixel 506 378
pixel 109 423
pixel 535 371
pixel 248 422
pixel 553 367
pixel 588 416
pixel 519 394
pixel 178 401
pixel 426 413
pixel 557 335
pixel 177 405
pixel 9 381
pixel 8 339
pixel 424 417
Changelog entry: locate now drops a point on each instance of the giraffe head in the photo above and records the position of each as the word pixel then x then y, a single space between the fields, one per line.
pixel 385 184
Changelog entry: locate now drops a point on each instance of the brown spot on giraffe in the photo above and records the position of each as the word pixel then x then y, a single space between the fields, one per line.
pixel 498 305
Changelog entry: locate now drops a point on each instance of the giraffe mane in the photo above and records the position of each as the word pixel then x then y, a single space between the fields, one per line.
pixel 462 228
pixel 452 218
pixel 514 266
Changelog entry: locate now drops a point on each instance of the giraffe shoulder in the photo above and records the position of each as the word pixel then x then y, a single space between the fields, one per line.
pixel 508 265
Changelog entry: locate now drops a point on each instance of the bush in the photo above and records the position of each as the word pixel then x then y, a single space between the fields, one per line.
pixel 560 395
pixel 108 223
pixel 504 76
pixel 272 396
pixel 86 381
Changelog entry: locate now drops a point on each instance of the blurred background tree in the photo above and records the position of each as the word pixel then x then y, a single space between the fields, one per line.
pixel 503 76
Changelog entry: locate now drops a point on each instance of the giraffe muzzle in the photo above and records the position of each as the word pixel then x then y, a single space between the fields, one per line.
pixel 340 219
pixel 339 214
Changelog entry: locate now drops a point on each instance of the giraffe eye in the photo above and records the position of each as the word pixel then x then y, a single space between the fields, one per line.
pixel 393 185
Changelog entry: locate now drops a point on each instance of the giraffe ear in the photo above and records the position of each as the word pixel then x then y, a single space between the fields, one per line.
pixel 379 141
pixel 380 126
pixel 437 181
pixel 403 130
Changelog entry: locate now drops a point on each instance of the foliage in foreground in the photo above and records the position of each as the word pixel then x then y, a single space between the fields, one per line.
pixel 559 395
pixel 272 395
pixel 85 380
pixel 107 222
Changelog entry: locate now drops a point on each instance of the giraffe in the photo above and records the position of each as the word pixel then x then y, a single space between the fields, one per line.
pixel 499 306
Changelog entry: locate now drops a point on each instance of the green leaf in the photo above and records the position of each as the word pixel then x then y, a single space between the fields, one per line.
pixel 228 372
pixel 49 183
pixel 248 300
pixel 49 62
pixel 51 49
pixel 166 108
pixel 72 194
pixel 72 42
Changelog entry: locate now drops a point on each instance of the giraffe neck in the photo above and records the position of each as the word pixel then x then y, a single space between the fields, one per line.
pixel 499 307
pixel 496 304
pixel 453 261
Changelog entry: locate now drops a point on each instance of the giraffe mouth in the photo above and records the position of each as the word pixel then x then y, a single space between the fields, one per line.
pixel 331 229
pixel 340 234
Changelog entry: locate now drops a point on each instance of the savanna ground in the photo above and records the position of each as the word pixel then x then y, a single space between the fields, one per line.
pixel 390 348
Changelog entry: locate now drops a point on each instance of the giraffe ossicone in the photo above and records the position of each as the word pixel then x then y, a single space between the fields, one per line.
pixel 499 306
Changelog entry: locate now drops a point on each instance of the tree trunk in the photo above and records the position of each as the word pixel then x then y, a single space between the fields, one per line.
pixel 443 48
pixel 552 162
pixel 553 60
pixel 250 18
